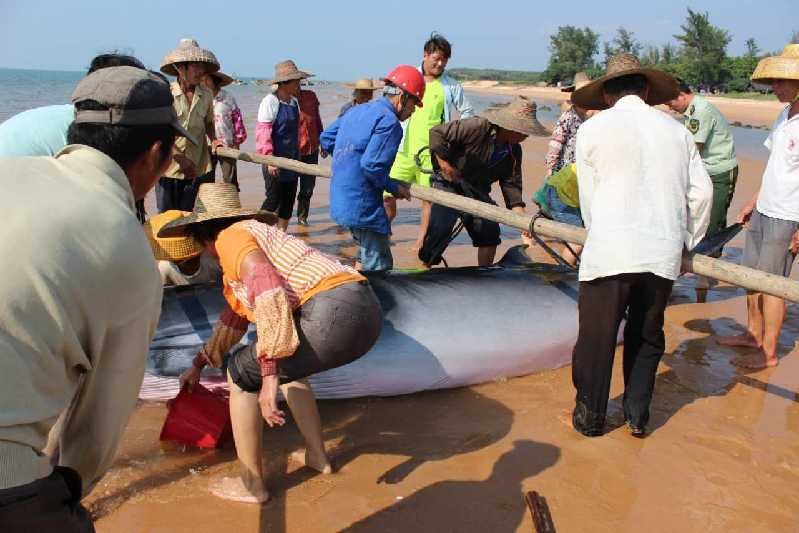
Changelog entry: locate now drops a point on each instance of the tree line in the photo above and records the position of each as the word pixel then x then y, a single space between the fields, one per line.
pixel 699 55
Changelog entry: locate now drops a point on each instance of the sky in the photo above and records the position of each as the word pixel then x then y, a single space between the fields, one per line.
pixel 340 40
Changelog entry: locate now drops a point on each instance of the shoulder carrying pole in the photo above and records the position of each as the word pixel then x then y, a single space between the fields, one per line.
pixel 748 278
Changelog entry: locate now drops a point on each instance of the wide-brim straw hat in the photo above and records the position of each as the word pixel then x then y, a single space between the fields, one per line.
pixel 662 86
pixel 222 79
pixel 188 51
pixel 519 115
pixel 581 79
pixel 288 71
pixel 782 67
pixel 215 201
pixel 364 84
pixel 175 249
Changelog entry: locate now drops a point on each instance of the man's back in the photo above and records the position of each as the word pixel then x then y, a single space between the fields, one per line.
pixel 79 298
pixel 641 179
pixel 38 131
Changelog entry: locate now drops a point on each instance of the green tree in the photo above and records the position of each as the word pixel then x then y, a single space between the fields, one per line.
pixel 703 50
pixel 624 42
pixel 752 49
pixel 572 50
pixel 651 56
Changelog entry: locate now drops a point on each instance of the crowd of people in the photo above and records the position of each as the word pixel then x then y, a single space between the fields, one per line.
pixel 75 339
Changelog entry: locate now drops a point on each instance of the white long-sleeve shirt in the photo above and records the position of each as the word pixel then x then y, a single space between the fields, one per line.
pixel 79 302
pixel 644 192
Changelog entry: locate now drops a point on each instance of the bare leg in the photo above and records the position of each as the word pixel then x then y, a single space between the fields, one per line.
pixel 302 403
pixel 485 255
pixel 570 257
pixel 283 223
pixel 248 428
pixel 390 203
pixel 773 317
pixel 753 338
pixel 423 224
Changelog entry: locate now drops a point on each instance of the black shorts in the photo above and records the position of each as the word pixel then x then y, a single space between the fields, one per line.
pixel 280 194
pixel 335 327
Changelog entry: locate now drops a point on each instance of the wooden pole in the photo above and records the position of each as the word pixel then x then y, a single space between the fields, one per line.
pixel 747 278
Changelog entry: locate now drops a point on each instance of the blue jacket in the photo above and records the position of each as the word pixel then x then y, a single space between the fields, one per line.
pixel 364 143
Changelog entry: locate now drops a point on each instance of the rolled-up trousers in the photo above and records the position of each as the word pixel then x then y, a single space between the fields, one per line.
pixel 602 304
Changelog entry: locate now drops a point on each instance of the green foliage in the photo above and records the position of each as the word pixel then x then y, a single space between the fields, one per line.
pixel 573 49
pixel 624 42
pixel 703 50
pixel 504 76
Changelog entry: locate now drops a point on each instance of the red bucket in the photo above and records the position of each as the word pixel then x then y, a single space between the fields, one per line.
pixel 199 418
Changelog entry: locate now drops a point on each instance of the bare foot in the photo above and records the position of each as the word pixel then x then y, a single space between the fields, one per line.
pixel 744 340
pixel 234 489
pixel 320 463
pixel 416 246
pixel 756 361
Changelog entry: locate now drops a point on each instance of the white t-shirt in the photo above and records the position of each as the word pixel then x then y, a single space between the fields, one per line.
pixel 267 111
pixel 779 193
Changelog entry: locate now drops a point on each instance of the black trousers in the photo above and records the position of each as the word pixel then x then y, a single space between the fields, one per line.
pixel 280 194
pixel 48 504
pixel 335 328
pixel 307 184
pixel 602 305
pixel 171 193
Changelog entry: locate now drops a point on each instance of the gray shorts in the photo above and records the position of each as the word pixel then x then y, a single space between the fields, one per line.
pixel 767 242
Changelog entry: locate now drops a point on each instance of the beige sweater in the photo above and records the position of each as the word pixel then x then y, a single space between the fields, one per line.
pixel 80 297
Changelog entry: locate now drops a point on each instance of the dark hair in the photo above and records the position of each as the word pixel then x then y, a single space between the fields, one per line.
pixel 208 231
pixel 624 85
pixel 438 43
pixel 113 60
pixel 123 144
pixel 683 86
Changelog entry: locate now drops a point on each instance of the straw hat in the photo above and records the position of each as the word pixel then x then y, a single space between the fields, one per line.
pixel 662 86
pixel 581 79
pixel 222 79
pixel 782 67
pixel 364 84
pixel 518 116
pixel 287 71
pixel 188 51
pixel 175 249
pixel 215 201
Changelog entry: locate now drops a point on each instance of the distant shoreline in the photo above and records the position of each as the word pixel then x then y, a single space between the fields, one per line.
pixel 738 111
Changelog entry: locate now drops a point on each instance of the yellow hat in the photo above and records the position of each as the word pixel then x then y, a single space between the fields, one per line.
pixel 173 249
pixel 782 67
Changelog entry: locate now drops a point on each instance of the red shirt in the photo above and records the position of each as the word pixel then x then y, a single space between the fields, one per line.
pixel 310 123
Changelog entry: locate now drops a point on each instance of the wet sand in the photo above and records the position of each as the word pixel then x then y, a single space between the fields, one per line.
pixel 758 113
pixel 723 454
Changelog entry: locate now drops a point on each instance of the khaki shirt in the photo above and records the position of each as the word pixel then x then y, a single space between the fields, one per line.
pixel 198 118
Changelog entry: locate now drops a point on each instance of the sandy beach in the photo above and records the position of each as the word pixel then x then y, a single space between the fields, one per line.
pixel 756 113
pixel 722 455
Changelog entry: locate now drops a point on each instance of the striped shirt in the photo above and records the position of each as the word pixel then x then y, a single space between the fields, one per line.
pixel 303 270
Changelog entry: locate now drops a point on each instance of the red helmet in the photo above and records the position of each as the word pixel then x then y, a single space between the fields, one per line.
pixel 409 79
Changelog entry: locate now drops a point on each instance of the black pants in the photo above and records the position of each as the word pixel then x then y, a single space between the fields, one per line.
pixel 280 194
pixel 48 504
pixel 141 214
pixel 441 230
pixel 335 327
pixel 171 193
pixel 307 184
pixel 602 304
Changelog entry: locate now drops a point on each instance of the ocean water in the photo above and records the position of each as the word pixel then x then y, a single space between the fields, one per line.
pixel 26 89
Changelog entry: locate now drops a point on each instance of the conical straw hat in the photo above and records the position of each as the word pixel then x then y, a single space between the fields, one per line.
pixel 188 51
pixel 662 86
pixel 364 84
pixel 782 67
pixel 287 71
pixel 519 116
pixel 173 249
pixel 215 201
pixel 222 79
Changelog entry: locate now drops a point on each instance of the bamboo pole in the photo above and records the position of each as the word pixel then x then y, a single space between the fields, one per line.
pixel 747 278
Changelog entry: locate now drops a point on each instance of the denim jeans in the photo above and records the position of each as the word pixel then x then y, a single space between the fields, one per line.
pixel 374 249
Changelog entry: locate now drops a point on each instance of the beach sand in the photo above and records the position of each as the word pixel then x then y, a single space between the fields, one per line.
pixel 723 453
pixel 757 113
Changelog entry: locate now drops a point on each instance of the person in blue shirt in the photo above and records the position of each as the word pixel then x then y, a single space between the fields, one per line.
pixel 364 143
